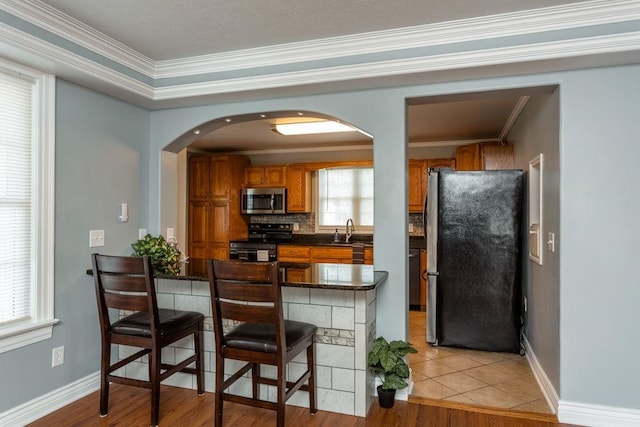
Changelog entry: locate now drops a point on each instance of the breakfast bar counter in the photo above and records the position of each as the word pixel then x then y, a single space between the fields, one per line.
pixel 340 299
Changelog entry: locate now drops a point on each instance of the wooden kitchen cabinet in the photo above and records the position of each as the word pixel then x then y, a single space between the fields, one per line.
pixel 418 170
pixel 368 256
pixel 331 254
pixel 265 176
pixel 417 176
pixel 484 156
pixel 293 253
pixel 214 217
pixel 298 189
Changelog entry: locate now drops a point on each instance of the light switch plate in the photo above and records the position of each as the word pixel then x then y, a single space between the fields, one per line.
pixel 141 233
pixel 96 238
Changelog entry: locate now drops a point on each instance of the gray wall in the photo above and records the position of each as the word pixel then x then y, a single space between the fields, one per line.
pixel 101 161
pixel 599 290
pixel 598 281
pixel 597 133
pixel 537 131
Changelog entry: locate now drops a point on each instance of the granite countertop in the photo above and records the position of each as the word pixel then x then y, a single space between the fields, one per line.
pixel 354 277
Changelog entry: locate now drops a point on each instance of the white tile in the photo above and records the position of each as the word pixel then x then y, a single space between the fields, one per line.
pixel 343 379
pixel 169 355
pixel 180 379
pixel 361 351
pixel 200 288
pixel 334 355
pixel 186 342
pixel 319 315
pixel 361 307
pixel 209 341
pixel 342 318
pixel 210 382
pixel 341 402
pixel 360 399
pixel 166 301
pixel 298 295
pixel 193 303
pixel 339 298
pixel 174 286
pixel 323 376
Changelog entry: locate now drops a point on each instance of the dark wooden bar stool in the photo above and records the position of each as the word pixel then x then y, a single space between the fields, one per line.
pixel 249 292
pixel 126 283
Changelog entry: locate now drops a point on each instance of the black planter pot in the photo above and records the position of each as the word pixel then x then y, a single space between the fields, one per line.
pixel 386 397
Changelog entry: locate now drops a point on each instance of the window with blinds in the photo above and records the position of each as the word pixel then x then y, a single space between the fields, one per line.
pixel 27 99
pixel 345 193
pixel 16 207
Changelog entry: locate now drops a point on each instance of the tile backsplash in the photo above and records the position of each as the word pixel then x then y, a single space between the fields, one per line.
pixel 307 222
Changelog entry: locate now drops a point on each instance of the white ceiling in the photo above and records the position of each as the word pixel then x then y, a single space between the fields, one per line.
pixel 164 30
pixel 170 29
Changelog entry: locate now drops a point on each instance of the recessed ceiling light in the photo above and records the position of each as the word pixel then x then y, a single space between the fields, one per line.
pixel 307 128
pixel 228 120
pixel 263 115
pixel 197 131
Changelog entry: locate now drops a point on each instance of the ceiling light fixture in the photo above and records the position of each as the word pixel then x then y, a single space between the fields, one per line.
pixel 308 128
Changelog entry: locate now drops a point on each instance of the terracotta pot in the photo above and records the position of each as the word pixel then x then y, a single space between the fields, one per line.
pixel 386 397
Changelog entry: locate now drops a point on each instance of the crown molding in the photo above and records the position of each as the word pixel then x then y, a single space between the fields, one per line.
pixel 534 52
pixel 59 59
pixel 77 68
pixel 563 17
pixel 62 25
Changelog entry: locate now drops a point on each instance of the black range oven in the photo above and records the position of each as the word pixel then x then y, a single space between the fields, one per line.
pixel 262 244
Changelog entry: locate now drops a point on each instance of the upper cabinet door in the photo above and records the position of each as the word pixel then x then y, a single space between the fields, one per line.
pixel 468 158
pixel 416 184
pixel 220 175
pixel 199 178
pixel 265 176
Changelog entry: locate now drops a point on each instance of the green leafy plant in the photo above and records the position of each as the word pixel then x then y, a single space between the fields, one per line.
pixel 386 361
pixel 165 258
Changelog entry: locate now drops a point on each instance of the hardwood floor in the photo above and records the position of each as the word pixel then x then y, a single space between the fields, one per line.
pixel 129 406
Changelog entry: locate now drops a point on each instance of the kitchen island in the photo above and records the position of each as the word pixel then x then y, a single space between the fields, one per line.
pixel 340 299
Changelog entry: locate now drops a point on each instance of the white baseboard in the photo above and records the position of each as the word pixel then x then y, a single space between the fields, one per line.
pixel 580 413
pixel 549 392
pixel 47 403
pixel 597 415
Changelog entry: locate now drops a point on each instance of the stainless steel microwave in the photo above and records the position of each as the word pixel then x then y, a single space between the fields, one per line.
pixel 264 201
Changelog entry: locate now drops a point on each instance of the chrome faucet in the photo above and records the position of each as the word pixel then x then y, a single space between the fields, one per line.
pixel 349 231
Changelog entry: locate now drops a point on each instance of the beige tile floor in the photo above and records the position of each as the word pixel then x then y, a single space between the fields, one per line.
pixel 499 380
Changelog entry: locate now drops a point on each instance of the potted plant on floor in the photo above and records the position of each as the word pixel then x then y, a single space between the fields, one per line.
pixel 386 361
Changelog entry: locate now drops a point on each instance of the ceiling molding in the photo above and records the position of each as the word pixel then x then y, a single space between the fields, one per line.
pixel 80 65
pixel 90 73
pixel 458 60
pixel 515 113
pixel 52 20
pixel 562 17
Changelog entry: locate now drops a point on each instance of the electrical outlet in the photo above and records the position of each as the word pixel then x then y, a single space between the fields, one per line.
pixel 410 228
pixel 141 233
pixel 296 226
pixel 57 356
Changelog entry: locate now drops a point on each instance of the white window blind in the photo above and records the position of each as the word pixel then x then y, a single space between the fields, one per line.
pixel 343 194
pixel 16 207
pixel 27 187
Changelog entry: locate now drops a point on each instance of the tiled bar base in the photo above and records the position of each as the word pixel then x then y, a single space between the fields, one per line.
pixel 346 330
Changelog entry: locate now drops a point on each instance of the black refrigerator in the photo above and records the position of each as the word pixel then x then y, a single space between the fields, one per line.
pixel 472 226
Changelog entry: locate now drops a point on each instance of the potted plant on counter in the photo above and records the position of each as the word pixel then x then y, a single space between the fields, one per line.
pixel 386 361
pixel 165 256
